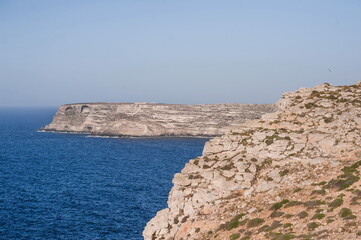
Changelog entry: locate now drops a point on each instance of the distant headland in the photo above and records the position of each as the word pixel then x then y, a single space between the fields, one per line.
pixel 153 119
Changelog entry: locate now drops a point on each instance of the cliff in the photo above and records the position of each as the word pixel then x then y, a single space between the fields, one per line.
pixel 293 174
pixel 152 119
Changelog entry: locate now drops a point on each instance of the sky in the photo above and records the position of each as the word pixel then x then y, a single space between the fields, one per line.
pixel 185 51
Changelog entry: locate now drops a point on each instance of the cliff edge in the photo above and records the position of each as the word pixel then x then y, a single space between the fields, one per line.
pixel 153 119
pixel 293 174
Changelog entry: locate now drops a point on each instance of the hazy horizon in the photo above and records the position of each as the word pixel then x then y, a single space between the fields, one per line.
pixel 179 52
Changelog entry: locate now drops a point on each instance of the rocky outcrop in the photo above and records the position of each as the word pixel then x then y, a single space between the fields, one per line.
pixel 152 119
pixel 293 174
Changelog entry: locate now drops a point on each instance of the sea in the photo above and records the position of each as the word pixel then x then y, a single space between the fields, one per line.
pixel 73 186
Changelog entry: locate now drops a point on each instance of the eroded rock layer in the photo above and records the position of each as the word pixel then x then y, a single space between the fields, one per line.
pixel 293 174
pixel 152 119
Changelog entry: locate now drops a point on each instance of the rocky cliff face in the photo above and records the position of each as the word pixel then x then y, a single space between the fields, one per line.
pixel 293 174
pixel 151 119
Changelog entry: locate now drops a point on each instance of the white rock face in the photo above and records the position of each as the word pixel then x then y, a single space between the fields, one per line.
pixel 152 119
pixel 314 130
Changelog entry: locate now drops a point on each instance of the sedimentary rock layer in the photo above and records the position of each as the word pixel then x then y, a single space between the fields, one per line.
pixel 293 174
pixel 152 119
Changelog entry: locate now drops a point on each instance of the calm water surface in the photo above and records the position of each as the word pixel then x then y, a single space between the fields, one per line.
pixel 68 186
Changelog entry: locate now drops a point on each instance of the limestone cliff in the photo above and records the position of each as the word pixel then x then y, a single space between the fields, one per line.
pixel 293 174
pixel 152 119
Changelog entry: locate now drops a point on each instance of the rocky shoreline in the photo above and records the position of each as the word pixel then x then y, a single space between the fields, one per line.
pixel 293 174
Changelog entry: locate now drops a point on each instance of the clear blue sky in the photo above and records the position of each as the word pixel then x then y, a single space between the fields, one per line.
pixel 185 51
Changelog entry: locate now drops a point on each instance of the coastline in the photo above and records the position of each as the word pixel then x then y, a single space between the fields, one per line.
pixel 95 135
pixel 153 120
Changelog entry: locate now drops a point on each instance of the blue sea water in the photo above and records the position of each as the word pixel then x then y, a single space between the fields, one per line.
pixel 68 186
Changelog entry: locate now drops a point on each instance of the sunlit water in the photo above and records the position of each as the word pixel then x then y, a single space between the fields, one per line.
pixel 68 186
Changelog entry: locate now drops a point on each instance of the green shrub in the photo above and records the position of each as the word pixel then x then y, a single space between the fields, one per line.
pixel 255 222
pixel 302 214
pixel 279 205
pixel 318 216
pixel 336 203
pixel 341 184
pixel 293 203
pixel 246 238
pixel 319 184
pixel 276 214
pixel 287 225
pixel 264 228
pixel 348 170
pixel 330 220
pixel 280 236
pixel 356 164
pixel 311 105
pixel 312 226
pixel 320 192
pixel 275 225
pixel 235 236
pixel 314 203
pixel 346 179
pixel 346 213
pixel 315 93
pixel 243 222
pixel 328 119
pixel 234 223
pixel 284 172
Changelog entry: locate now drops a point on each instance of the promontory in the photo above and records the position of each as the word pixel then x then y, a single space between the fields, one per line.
pixel 153 119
